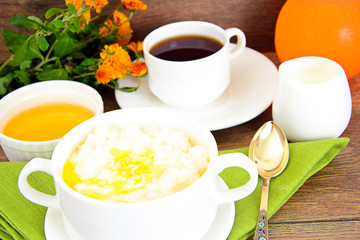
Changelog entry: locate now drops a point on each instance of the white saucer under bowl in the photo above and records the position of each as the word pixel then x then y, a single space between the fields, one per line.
pixel 254 79
pixel 219 230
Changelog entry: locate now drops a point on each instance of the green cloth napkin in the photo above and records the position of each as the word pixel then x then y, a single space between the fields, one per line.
pixel 22 219
pixel 19 218
pixel 305 159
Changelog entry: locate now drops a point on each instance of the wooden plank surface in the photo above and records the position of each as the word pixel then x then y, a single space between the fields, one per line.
pixel 256 18
pixel 336 230
pixel 327 206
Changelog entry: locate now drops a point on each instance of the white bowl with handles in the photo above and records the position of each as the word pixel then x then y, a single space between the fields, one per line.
pixel 186 214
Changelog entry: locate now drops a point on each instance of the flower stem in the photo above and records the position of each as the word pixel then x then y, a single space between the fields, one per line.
pixel 7 62
pixel 47 60
pixel 127 89
pixel 130 15
pixel 84 75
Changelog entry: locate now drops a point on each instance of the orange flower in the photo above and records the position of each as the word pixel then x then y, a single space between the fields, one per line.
pixel 120 63
pixel 135 47
pixel 138 69
pixel 110 50
pixel 104 74
pixel 124 28
pixel 117 62
pixel 122 24
pixel 97 5
pixel 134 5
pixel 77 3
pixel 105 30
pixel 84 17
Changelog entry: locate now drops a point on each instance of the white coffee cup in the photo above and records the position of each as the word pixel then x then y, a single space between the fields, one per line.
pixel 33 95
pixel 313 99
pixel 194 83
pixel 186 214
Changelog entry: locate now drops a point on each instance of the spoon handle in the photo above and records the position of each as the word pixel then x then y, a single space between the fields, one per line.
pixel 261 231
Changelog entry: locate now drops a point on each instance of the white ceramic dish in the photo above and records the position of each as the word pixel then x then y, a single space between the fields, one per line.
pixel 186 214
pixel 254 80
pixel 36 94
pixel 219 230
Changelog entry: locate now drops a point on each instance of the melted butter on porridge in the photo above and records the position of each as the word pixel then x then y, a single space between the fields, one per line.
pixel 134 164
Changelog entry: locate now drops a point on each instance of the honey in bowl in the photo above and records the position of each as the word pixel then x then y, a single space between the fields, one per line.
pixel 46 122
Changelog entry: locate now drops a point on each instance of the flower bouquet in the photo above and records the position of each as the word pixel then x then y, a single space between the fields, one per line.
pixel 70 44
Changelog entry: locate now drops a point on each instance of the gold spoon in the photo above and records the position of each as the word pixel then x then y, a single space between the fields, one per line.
pixel 269 150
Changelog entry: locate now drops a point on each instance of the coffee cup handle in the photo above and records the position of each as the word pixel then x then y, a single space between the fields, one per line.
pixel 236 160
pixel 240 43
pixel 35 196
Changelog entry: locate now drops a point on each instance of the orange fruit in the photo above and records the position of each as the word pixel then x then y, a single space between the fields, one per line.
pixel 325 28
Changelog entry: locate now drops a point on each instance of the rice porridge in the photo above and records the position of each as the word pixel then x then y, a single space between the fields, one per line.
pixel 134 163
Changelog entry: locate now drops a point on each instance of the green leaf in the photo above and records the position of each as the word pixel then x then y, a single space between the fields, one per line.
pixel 127 89
pixel 7 68
pixel 89 62
pixel 72 8
pixel 22 21
pixel 92 28
pixel 53 11
pixel 110 40
pixel 58 23
pixel 42 43
pixel 22 52
pixel 69 68
pixel 40 23
pixel 73 29
pixel 63 46
pixel 78 55
pixel 57 35
pixel 79 45
pixel 48 67
pixel 36 20
pixel 53 74
pixel 13 40
pixel 58 63
pixel 5 82
pixel 115 82
pixel 23 77
pixel 25 65
pixel 79 70
pixel 76 23
pixel 34 51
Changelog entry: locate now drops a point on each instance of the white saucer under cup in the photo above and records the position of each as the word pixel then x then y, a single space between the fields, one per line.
pixel 254 79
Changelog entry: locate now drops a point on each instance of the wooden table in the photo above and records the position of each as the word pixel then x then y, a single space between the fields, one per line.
pixel 327 206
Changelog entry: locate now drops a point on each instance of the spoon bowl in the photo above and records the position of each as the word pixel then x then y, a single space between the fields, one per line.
pixel 269 150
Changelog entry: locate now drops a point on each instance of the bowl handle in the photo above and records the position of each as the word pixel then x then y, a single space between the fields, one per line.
pixel 236 160
pixel 35 196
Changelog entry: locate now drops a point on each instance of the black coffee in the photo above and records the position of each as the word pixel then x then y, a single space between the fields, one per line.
pixel 185 48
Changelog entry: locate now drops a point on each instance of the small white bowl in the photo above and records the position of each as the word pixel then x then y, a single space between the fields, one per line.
pixel 33 95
